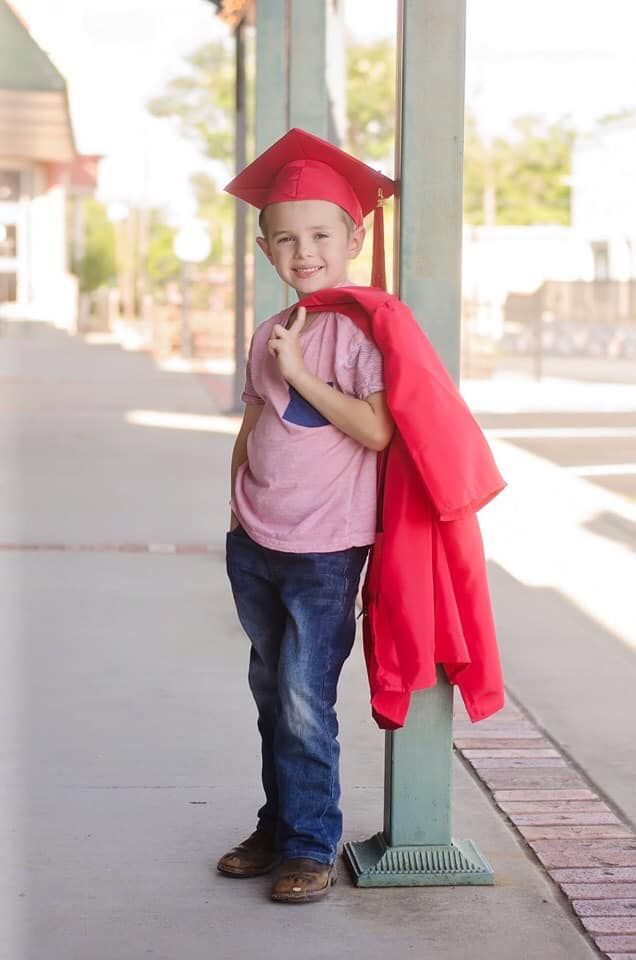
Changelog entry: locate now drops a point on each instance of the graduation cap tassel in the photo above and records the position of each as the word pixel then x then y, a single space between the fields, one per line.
pixel 378 270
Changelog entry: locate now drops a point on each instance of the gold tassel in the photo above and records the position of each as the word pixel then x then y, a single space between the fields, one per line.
pixel 378 269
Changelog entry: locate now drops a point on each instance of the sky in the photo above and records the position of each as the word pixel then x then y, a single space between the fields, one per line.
pixel 554 58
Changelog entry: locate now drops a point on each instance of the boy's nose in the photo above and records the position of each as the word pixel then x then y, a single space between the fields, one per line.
pixel 304 248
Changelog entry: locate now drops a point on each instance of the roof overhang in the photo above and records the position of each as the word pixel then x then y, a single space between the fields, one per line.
pixel 78 177
pixel 36 125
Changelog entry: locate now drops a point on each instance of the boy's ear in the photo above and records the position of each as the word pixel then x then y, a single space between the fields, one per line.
pixel 263 244
pixel 355 241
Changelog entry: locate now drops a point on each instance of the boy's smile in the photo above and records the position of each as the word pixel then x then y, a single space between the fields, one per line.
pixel 304 272
pixel 309 242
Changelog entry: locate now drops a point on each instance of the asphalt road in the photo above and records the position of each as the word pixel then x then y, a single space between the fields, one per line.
pixel 582 443
pixel 592 369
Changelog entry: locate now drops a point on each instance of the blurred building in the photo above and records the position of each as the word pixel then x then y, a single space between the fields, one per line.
pixel 499 261
pixel 574 287
pixel 39 170
pixel 604 196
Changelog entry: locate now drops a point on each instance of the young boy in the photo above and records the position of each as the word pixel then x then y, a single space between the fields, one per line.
pixel 303 482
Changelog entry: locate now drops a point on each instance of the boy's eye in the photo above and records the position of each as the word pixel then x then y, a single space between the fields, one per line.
pixel 322 234
pixel 283 239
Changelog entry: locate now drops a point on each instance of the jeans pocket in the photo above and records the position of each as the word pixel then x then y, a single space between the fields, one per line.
pixel 375 566
pixel 230 538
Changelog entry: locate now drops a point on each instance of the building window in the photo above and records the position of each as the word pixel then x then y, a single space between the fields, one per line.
pixel 9 186
pixel 8 288
pixel 8 245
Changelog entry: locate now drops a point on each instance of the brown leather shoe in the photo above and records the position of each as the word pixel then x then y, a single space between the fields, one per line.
pixel 301 880
pixel 251 857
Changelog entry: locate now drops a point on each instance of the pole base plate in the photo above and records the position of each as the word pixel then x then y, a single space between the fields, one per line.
pixel 373 863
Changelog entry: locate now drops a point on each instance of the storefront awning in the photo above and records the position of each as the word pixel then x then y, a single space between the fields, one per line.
pixel 35 120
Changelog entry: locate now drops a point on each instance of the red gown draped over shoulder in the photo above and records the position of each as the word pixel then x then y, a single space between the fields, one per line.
pixel 425 594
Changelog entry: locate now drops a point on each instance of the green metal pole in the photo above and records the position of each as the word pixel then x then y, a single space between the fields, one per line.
pixel 416 847
pixel 308 102
pixel 292 91
pixel 240 222
pixel 272 39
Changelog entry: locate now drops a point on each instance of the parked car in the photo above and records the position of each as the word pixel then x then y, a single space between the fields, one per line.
pixel 624 343
pixel 598 340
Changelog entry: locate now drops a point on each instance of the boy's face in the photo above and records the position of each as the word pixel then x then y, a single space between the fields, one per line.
pixel 309 243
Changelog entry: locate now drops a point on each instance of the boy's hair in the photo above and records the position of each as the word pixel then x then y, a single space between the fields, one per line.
pixel 347 220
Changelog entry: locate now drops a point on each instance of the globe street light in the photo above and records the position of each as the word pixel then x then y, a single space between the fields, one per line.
pixel 191 245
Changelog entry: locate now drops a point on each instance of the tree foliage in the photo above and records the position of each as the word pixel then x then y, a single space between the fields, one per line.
pixel 201 101
pixel 98 265
pixel 371 100
pixel 527 175
pixel 162 265
pixel 519 180
pixel 216 208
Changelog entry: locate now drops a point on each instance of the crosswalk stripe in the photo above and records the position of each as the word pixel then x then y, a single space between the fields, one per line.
pixel 565 433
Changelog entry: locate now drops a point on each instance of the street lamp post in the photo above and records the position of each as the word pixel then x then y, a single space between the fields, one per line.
pixel 118 213
pixel 191 245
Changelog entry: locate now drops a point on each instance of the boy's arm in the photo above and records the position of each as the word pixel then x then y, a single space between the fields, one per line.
pixel 239 453
pixel 367 421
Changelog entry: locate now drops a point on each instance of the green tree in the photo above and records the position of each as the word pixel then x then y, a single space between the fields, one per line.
pixel 516 180
pixel 216 207
pixel 201 101
pixel 371 100
pixel 628 113
pixel 478 174
pixel 525 178
pixel 98 265
pixel 161 264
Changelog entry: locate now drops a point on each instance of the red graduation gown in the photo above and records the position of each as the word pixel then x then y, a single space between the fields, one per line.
pixel 425 594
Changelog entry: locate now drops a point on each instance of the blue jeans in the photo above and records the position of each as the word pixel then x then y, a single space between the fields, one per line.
pixel 298 610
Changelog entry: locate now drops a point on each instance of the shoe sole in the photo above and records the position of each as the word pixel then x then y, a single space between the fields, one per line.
pixel 240 874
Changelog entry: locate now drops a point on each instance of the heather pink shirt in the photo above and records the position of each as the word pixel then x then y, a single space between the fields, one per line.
pixel 307 486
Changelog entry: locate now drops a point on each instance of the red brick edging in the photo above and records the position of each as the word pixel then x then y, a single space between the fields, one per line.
pixel 587 849
pixel 161 548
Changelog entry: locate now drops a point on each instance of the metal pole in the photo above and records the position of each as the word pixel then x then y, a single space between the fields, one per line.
pixel 416 847
pixel 186 338
pixel 538 346
pixel 294 88
pixel 240 225
pixel 270 121
pixel 308 100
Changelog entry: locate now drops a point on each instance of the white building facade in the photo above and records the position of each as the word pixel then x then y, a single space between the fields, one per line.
pixel 37 152
pixel 598 249
pixel 604 196
pixel 497 261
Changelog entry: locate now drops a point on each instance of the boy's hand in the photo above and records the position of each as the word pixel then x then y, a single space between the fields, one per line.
pixel 284 345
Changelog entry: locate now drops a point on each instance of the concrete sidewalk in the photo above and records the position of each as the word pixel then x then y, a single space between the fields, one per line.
pixel 132 745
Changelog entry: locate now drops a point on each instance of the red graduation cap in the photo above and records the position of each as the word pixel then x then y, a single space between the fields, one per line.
pixel 301 166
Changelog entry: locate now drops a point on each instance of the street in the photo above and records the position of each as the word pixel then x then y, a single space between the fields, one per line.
pixel 597 441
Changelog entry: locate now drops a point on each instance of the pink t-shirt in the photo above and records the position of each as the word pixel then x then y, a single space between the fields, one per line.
pixel 307 486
